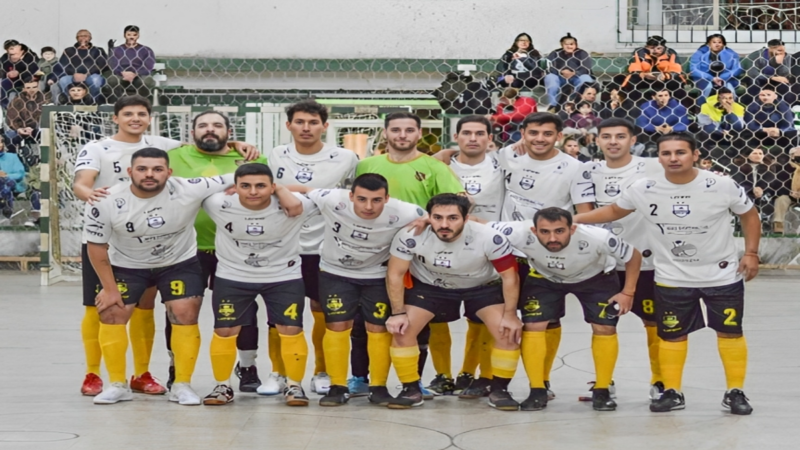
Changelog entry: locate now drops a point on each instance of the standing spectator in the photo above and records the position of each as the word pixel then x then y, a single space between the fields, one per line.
pixel 24 114
pixel 769 120
pixel 653 63
pixel 660 116
pixel 17 64
pixel 757 175
pixel 721 119
pixel 131 65
pixel 569 64
pixel 83 63
pixel 519 65
pixel 714 65
pixel 789 190
pixel 12 176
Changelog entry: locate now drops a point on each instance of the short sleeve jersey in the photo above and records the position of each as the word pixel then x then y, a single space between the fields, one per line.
pixel 591 250
pixel 608 186
pixel 414 181
pixel 257 246
pixel 531 185
pixel 485 184
pixel 462 264
pixel 188 162
pixel 354 247
pixel 692 240
pixel 147 233
pixel 331 167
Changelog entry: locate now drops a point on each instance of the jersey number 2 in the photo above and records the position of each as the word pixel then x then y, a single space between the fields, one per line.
pixel 653 209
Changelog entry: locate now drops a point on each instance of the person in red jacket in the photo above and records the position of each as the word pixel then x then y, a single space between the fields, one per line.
pixel 511 111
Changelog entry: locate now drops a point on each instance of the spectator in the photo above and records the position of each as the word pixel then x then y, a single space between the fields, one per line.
pixel 519 65
pixel 131 66
pixel 572 147
pixel 769 120
pixel 586 93
pixel 24 114
pixel 714 65
pixel 660 116
pixel 789 192
pixel 17 64
pixel 570 65
pixel 757 175
pixel 83 63
pixel 721 119
pixel 653 63
pixel 46 65
pixel 77 94
pixel 583 123
pixel 773 65
pixel 513 108
pixel 618 105
pixel 12 177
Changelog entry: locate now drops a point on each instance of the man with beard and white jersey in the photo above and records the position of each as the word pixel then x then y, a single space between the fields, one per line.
pixel 360 225
pixel 570 259
pixel 310 162
pixel 140 236
pixel 689 212
pixel 453 260
pixel 258 248
pixel 611 177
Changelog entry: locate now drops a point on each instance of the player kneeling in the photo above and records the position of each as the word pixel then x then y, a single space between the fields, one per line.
pixel 453 260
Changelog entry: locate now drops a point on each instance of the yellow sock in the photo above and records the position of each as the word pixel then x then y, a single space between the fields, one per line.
pixel 439 347
pixel 337 355
pixel 114 342
pixel 486 345
pixel 605 350
pixel 733 353
pixel 223 357
pixel 504 362
pixel 553 341
pixel 671 359
pixel 274 344
pixel 534 351
pixel 90 329
pixel 317 335
pixel 379 360
pixel 294 350
pixel 141 330
pixel 186 347
pixel 405 361
pixel 472 348
pixel 652 350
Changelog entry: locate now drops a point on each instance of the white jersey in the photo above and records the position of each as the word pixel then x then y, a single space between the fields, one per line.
pixel 609 184
pixel 531 185
pixel 356 247
pixel 485 184
pixel 591 250
pixel 257 246
pixel 331 167
pixel 147 233
pixel 462 264
pixel 693 236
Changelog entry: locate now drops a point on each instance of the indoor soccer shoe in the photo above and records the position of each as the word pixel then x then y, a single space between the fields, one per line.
pixel 379 395
pixel 274 385
pixel 656 391
pixel 601 400
pixel 358 386
pixel 336 396
pixel 671 400
pixel 320 383
pixel 536 401
pixel 463 380
pixel 611 389
pixel 441 385
pixel 737 402
pixel 426 394
pixel 248 378
pixel 147 384
pixel 116 392
pixel 409 397
pixel 295 396
pixel 550 394
pixel 221 395
pixel 171 377
pixel 183 394
pixel 503 401
pixel 92 385
pixel 479 387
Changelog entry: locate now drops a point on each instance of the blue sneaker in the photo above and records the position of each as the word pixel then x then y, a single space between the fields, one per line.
pixel 358 386
pixel 426 394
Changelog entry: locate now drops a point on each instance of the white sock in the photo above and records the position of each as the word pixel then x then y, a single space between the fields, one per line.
pixel 247 358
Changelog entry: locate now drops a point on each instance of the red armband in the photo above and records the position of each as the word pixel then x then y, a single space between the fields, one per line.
pixel 505 263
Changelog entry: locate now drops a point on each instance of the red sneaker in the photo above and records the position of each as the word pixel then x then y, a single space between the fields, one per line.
pixel 147 384
pixel 92 385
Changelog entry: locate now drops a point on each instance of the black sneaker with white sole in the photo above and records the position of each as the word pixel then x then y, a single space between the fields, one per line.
pixel 480 387
pixel 656 391
pixel 735 401
pixel 502 400
pixel 248 378
pixel 602 401
pixel 409 397
pixel 379 395
pixel 336 396
pixel 536 401
pixel 463 380
pixel 671 400
pixel 442 385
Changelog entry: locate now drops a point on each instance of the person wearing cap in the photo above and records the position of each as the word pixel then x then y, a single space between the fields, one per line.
pixel 82 63
pixel 655 62
pixel 131 64
pixel 774 65
pixel 17 63
pixel 714 65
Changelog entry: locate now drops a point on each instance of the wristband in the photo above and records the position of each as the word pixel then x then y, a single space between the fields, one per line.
pixel 751 254
pixel 398 314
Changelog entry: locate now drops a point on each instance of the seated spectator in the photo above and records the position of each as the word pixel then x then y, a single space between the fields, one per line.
pixel 513 108
pixel 12 180
pixel 586 93
pixel 618 105
pixel 78 94
pixel 653 63
pixel 788 191
pixel 769 121
pixel 660 116
pixel 567 110
pixel 773 65
pixel 23 115
pixel 583 124
pixel 714 65
pixel 757 175
pixel 572 147
pixel 519 65
pixel 17 64
pixel 48 79
pixel 721 119
pixel 131 65
pixel 569 64
pixel 83 63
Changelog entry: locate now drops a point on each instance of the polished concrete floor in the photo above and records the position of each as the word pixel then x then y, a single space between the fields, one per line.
pixel 41 367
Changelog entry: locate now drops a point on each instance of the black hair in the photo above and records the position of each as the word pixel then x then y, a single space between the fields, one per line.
pixel 132 100
pixel 656 41
pixel 583 87
pixel 28 78
pixel 717 35
pixel 78 84
pixel 401 115
pixel 252 169
pixel 682 136
pixel 552 214
pixel 10 43
pixel 769 87
pixel 775 43
pixel 48 49
pixel 211 111
pixel 308 106
pixel 134 28
pixel 583 103
pixel 568 36
pixel 723 90
pixel 617 122
pixel 514 48
pixel 150 152
pixel 371 182
pixel 542 118
pixel 450 199
pixel 475 119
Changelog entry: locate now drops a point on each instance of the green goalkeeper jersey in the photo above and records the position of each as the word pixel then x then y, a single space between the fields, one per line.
pixel 188 162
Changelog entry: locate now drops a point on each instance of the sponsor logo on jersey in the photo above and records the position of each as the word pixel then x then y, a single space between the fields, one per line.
pixel 349 261
pixel 582 245
pixel 155 222
pixel 681 210
pixel 555 265
pixel 226 309
pixel 670 321
pixel 442 261
pixel 472 188
pixel 226 204
pixel 682 230
pixel 359 235
pixel 95 213
pixel 324 192
pixel 527 183
pixel 710 182
pixel 254 260
pixel 507 231
pixel 195 180
pixel 531 306
pixel 339 206
pixel 723 264
pixel 587 175
pixel 420 176
pixel 441 284
pixel 683 249
pixel 612 189
pixel 83 153
pixel 255 230
pixel 647 253
pixel 304 176
pixel 159 250
pixel 403 250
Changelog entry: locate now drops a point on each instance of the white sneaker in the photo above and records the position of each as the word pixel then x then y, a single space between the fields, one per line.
pixel 183 394
pixel 321 383
pixel 116 392
pixel 273 385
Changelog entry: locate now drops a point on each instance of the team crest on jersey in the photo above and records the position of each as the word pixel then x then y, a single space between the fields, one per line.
pixel 612 189
pixel 507 231
pixel 681 210
pixel 527 183
pixel 683 249
pixel 226 309
pixel 304 176
pixel 393 219
pixel 253 260
pixel 255 230
pixel 195 180
pixel 120 202
pixel 410 243
pixel 349 261
pixel 710 182
pixel 472 188
pixel 442 261
pixel 359 235
pixel 587 175
pixel 334 303
pixel 650 183
pixel 420 176
pixel 531 306
pixel 155 222
pixel 582 245
pixel 555 265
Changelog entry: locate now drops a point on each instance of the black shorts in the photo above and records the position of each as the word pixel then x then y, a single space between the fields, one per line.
pixel 208 264
pixel 445 304
pixel 181 280
pixel 644 301
pixel 309 264
pixel 343 298
pixel 679 313
pixel 89 278
pixel 544 301
pixel 234 302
